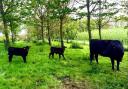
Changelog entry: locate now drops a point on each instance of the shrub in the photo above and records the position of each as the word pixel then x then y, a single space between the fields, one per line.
pixel 126 27
pixel 125 48
pixel 34 41
pixel 76 45
pixel 38 42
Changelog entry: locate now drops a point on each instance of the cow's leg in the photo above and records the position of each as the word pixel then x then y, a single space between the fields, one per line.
pixel 112 61
pixel 59 56
pixel 96 57
pixel 63 56
pixel 91 57
pixel 52 55
pixel 49 55
pixel 10 58
pixel 24 58
pixel 118 63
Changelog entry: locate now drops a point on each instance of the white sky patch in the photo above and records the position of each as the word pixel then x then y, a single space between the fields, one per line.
pixel 1 34
pixel 23 32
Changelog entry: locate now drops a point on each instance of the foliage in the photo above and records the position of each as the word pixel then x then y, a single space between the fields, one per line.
pixel 126 27
pixel 71 29
pixel 39 42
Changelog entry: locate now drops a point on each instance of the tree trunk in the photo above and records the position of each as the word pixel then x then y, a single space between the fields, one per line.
pixel 48 28
pixel 38 33
pixel 99 22
pixel 99 27
pixel 61 32
pixel 12 32
pixel 67 40
pixel 100 32
pixel 6 42
pixel 12 37
pixel 42 31
pixel 6 36
pixel 88 20
pixel 42 27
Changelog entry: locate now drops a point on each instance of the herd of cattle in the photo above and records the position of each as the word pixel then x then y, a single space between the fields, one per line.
pixel 108 48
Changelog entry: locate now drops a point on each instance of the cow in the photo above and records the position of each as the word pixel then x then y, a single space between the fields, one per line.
pixel 107 48
pixel 18 52
pixel 57 50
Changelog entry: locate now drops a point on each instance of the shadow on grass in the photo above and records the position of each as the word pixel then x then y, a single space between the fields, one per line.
pixel 99 68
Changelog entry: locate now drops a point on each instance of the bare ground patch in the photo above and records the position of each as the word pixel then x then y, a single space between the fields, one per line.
pixel 68 83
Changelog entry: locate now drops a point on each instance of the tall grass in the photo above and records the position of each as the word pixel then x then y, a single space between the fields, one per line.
pixel 114 33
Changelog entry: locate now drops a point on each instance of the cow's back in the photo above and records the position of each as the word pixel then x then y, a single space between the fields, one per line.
pixel 109 48
pixel 115 49
pixel 17 51
pixel 57 50
pixel 98 46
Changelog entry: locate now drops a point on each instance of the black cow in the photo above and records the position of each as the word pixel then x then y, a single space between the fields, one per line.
pixel 57 50
pixel 18 52
pixel 108 48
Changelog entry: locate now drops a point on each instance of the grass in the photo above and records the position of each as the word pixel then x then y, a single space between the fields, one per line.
pixel 75 72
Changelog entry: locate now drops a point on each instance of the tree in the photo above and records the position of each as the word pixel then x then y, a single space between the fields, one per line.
pixel 13 20
pixel 10 15
pixel 71 28
pixel 102 10
pixel 88 19
pixel 90 7
pixel 39 8
pixel 3 16
pixel 103 13
pixel 48 20
pixel 60 10
pixel 34 13
pixel 124 5
pixel 13 28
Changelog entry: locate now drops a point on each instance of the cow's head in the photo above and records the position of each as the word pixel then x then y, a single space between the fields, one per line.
pixel 27 48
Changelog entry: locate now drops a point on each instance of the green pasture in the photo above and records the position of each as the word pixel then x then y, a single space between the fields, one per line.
pixel 75 72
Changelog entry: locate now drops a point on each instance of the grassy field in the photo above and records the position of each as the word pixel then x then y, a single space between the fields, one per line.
pixel 75 72
pixel 114 33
